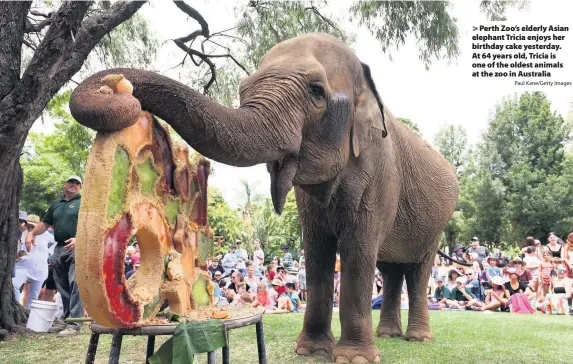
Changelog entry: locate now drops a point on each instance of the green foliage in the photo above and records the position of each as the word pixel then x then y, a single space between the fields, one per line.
pixel 495 10
pixel 412 125
pixel 273 230
pixel 391 22
pixel 265 24
pixel 224 220
pixel 131 44
pixel 48 159
pixel 518 180
pixel 451 141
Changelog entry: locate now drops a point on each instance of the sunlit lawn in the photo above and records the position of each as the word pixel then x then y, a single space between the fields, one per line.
pixel 460 337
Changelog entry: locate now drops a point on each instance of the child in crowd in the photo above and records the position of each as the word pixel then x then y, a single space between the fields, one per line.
pixel 545 268
pixel 291 293
pixel 532 263
pixel 492 270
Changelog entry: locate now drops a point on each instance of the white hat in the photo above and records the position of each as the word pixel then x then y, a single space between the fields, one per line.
pixel 460 280
pixel 23 216
pixel 497 280
pixel 77 178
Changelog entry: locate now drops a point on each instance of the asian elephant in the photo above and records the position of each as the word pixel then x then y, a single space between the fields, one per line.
pixel 366 185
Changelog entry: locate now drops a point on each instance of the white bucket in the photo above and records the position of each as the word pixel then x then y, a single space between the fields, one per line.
pixel 42 315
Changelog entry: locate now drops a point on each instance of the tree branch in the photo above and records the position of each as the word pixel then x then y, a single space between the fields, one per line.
pixel 37 13
pixel 31 28
pixel 326 20
pixel 29 45
pixel 203 57
pixel 195 15
pixel 180 42
pixel 58 58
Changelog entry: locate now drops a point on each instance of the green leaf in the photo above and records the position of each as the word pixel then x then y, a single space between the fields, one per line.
pixel 189 339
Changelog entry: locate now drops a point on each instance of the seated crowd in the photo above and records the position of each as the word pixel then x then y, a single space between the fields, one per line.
pixel 495 284
pixel 240 282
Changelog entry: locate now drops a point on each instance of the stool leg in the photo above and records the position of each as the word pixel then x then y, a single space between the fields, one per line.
pixel 92 348
pixel 115 349
pixel 150 347
pixel 225 355
pixel 225 350
pixel 261 343
pixel 212 357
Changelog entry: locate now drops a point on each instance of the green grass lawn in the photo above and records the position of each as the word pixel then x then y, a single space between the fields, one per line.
pixel 459 337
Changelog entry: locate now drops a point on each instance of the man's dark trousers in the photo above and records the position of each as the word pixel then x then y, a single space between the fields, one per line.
pixel 64 268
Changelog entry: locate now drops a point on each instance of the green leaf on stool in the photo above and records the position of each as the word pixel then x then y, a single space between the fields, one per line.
pixel 189 339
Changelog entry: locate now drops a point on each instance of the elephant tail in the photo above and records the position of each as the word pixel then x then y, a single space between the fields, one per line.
pixel 444 255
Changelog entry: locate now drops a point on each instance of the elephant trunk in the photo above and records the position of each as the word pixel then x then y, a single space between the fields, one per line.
pixel 239 137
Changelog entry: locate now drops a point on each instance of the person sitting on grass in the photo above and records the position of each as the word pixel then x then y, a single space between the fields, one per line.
pixel 515 286
pixel 264 298
pixel 238 284
pixel 291 293
pixel 562 283
pixel 497 298
pixel 283 303
pixel 492 270
pixel 472 282
pixel 441 294
pixel 523 274
pixel 462 296
pixel 453 274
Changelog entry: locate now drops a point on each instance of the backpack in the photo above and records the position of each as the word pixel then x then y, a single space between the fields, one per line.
pixel 520 304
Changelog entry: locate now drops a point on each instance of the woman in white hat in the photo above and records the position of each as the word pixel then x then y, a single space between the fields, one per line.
pixel 33 267
pixel 497 297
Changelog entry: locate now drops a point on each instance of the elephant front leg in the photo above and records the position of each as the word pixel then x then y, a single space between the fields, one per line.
pixel 356 344
pixel 320 255
pixel 390 319
pixel 417 276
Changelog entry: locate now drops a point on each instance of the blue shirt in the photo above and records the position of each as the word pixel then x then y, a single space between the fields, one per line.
pixel 294 299
pixel 287 260
pixel 493 271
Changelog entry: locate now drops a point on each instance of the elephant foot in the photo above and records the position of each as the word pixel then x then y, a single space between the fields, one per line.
pixel 419 335
pixel 356 354
pixel 387 331
pixel 314 344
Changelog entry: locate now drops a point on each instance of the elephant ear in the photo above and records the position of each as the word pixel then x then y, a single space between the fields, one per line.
pixel 369 114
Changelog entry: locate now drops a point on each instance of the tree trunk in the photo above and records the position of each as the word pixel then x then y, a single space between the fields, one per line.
pixel 12 24
pixel 11 312
pixel 61 53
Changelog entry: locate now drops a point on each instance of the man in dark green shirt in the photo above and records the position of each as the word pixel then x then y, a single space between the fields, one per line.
pixel 63 216
pixel 441 294
pixel 461 296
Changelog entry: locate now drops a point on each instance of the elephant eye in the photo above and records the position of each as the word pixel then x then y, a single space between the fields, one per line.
pixel 316 90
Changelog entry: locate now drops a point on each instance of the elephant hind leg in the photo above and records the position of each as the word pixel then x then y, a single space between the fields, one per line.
pixel 390 320
pixel 417 275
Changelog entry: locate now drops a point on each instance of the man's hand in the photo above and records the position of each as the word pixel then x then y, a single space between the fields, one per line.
pixel 71 244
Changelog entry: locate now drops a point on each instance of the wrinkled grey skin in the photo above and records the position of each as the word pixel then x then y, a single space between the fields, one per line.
pixel 365 184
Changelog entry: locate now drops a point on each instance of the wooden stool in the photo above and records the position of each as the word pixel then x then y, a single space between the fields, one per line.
pixel 154 330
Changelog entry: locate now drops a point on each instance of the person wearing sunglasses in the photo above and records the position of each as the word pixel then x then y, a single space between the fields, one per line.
pixel 472 282
pixel 562 283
